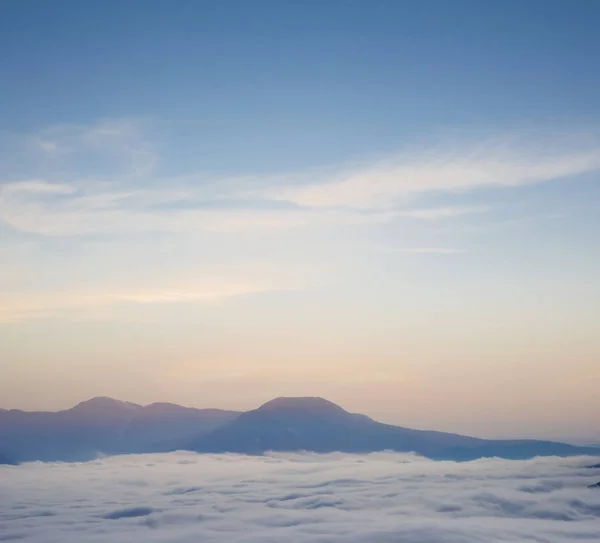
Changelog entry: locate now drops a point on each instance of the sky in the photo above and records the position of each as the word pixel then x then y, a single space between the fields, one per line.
pixel 376 498
pixel 391 204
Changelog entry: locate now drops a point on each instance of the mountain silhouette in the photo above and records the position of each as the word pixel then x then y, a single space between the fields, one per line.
pixel 104 406
pixel 108 426
pixel 316 424
pixel 102 426
pixel 5 460
pixel 311 404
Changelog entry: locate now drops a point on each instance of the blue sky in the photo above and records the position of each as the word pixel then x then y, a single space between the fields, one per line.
pixel 391 204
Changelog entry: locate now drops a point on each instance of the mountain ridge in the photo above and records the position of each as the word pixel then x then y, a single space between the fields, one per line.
pixel 103 425
pixel 316 424
pixel 300 403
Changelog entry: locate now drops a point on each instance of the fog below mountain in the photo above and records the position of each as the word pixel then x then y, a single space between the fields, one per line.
pixel 385 497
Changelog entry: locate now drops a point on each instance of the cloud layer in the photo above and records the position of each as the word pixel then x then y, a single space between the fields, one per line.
pixel 104 178
pixel 20 306
pixel 379 498
pixel 484 165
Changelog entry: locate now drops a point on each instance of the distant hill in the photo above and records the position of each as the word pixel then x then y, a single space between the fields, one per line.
pixel 5 459
pixel 102 426
pixel 108 426
pixel 315 424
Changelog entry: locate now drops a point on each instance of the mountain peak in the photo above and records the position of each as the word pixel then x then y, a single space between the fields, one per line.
pixel 301 404
pixel 104 404
pixel 165 408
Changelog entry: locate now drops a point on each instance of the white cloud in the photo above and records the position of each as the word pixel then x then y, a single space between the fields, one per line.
pixel 47 146
pixel 300 498
pixel 423 250
pixel 33 188
pixel 87 151
pixel 444 212
pixel 385 184
pixel 19 306
pixel 25 206
pixel 127 195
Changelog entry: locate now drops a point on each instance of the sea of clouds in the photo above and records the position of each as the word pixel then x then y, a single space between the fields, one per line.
pixel 295 498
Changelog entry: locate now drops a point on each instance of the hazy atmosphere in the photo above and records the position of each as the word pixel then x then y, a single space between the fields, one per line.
pixel 389 204
pixel 318 271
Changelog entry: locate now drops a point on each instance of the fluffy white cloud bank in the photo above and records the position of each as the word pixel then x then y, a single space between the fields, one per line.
pixel 378 498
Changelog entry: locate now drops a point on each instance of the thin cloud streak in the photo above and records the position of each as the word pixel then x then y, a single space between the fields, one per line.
pixel 346 195
pixel 444 212
pixel 22 306
pixel 424 250
pixel 33 188
pixel 121 140
pixel 24 208
pixel 388 183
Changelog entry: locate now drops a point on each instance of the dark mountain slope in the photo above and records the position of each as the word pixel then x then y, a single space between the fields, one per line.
pixel 318 425
pixel 5 460
pixel 102 426
pixel 315 424
pixel 107 426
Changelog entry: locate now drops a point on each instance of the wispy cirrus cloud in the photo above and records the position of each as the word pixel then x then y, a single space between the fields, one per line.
pixel 423 250
pixel 21 306
pixel 444 212
pixel 81 152
pixel 59 210
pixel 484 165
pixel 129 196
pixel 115 141
pixel 34 188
